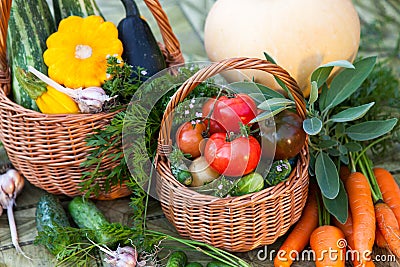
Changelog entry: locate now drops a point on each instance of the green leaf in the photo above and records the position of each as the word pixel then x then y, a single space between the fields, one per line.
pixel 339 130
pixel 351 114
pixel 267 114
pixel 276 102
pixel 312 126
pixel 255 89
pixel 345 159
pixel 321 74
pixel 327 143
pixel 279 81
pixel 347 82
pixel 353 147
pixel 338 206
pixel 327 176
pixel 313 93
pixel 370 129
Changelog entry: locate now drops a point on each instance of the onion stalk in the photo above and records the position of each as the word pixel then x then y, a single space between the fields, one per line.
pixel 11 184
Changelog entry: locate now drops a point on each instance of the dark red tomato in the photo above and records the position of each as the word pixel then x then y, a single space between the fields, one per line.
pixel 229 112
pixel 189 138
pixel 290 136
pixel 232 158
pixel 214 126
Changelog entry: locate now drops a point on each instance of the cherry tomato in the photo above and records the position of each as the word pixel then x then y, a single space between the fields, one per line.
pixel 290 136
pixel 229 112
pixel 189 138
pixel 232 158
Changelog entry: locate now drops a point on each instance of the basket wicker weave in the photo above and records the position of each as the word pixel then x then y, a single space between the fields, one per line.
pixel 233 223
pixel 48 149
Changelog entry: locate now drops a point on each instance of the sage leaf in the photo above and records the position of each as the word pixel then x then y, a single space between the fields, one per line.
pixel 267 114
pixel 321 74
pixel 313 93
pixel 344 159
pixel 312 126
pixel 338 207
pixel 327 143
pixel 339 130
pixel 370 129
pixel 276 102
pixel 353 147
pixel 258 91
pixel 279 81
pixel 347 82
pixel 327 176
pixel 352 114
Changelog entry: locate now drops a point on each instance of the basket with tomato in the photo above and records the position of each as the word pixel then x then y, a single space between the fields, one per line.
pixel 234 175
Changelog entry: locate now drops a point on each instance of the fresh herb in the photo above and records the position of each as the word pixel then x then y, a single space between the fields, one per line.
pixel 336 130
pixel 382 88
pixel 279 172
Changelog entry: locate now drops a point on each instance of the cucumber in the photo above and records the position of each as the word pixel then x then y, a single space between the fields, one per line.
pixel 81 8
pixel 194 264
pixel 87 216
pixel 50 213
pixel 49 216
pixel 177 259
pixel 29 26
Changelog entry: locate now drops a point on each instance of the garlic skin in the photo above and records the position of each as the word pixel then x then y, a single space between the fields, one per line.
pixel 91 99
pixel 122 257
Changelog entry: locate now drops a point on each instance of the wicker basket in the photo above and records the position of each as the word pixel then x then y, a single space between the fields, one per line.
pixel 234 223
pixel 48 149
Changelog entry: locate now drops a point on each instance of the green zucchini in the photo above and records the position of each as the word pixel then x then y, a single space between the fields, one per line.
pixel 81 8
pixel 177 259
pixel 50 213
pixel 29 26
pixel 86 215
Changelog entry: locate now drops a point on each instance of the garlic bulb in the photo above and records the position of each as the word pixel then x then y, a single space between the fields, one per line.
pixel 89 100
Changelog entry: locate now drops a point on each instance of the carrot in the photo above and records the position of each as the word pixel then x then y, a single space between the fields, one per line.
pixel 379 239
pixel 388 226
pixel 344 173
pixel 390 190
pixel 326 242
pixel 300 235
pixel 347 229
pixel 362 213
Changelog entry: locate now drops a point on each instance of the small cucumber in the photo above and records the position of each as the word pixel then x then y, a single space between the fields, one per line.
pixel 86 215
pixel 194 264
pixel 177 259
pixel 217 264
pixel 49 212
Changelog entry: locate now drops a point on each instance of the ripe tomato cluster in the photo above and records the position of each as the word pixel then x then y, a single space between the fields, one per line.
pixel 222 144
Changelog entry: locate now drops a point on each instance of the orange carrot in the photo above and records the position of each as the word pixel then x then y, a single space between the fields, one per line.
pixel 390 190
pixel 300 235
pixel 362 213
pixel 388 226
pixel 326 242
pixel 347 229
pixel 344 172
pixel 379 239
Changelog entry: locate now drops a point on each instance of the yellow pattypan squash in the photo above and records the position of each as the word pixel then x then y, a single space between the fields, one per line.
pixel 76 54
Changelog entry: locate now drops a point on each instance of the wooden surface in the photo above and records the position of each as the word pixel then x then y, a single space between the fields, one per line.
pixel 187 17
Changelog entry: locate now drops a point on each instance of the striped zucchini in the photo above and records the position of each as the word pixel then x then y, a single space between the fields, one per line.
pixel 29 26
pixel 81 8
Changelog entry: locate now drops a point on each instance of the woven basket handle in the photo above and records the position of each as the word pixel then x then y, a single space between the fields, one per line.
pixel 164 145
pixel 5 8
pixel 173 54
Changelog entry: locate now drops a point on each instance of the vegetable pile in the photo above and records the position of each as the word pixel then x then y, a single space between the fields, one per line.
pixel 219 146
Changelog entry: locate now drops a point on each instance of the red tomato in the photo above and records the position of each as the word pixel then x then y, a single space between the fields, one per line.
pixel 229 112
pixel 189 138
pixel 235 158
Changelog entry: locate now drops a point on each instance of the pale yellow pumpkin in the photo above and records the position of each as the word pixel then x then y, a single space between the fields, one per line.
pixel 76 54
pixel 299 34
